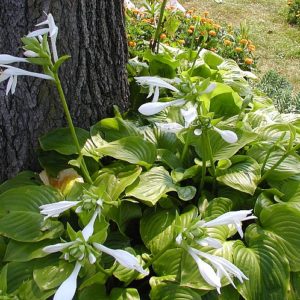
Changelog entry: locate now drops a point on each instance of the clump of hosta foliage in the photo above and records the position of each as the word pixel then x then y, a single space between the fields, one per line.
pixel 196 196
pixel 186 29
pixel 280 90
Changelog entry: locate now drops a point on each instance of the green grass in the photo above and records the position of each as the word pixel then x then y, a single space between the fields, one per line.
pixel 277 43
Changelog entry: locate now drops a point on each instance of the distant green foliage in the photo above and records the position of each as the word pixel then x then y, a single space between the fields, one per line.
pixel 294 12
pixel 280 91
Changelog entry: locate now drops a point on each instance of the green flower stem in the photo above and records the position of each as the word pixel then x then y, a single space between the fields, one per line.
pixel 72 128
pixel 283 157
pixel 186 146
pixel 211 159
pixel 158 28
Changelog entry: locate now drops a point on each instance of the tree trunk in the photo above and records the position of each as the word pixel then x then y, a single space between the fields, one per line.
pixel 94 79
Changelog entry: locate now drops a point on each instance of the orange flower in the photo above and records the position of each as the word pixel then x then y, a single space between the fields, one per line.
pixel 248 61
pixel 227 42
pixel 192 27
pixel 190 31
pixel 163 36
pixel 238 49
pixel 205 13
pixel 251 48
pixel 217 26
pixel 213 49
pixel 131 44
pixel 243 42
pixel 212 33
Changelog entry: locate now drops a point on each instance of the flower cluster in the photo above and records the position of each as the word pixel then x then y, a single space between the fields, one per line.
pixel 218 267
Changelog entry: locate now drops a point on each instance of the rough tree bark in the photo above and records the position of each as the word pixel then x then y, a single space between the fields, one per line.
pixel 93 33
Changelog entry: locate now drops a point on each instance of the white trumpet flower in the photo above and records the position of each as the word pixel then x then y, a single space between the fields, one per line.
pixel 189 115
pixel 29 53
pixel 233 217
pixel 122 257
pixel 227 135
pixel 154 84
pixel 11 73
pixel 52 30
pixel 57 208
pixel 89 228
pixel 6 59
pixel 206 271
pixel 152 108
pixel 223 268
pixel 67 289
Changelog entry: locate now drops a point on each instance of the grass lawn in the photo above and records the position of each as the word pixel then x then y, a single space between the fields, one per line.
pixel 277 43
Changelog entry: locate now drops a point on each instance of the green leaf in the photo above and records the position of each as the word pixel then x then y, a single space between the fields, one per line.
pixel 243 174
pixel 30 290
pixel 60 61
pixel 132 149
pixel 266 266
pixel 17 273
pixel 156 183
pixel 95 292
pixel 116 177
pixel 41 61
pixel 211 58
pixel 20 217
pixel 289 166
pixel 21 252
pixel 23 178
pixel 3 279
pixel 124 213
pixel 111 129
pixel 223 150
pixel 173 291
pixel 281 221
pixel 156 228
pixel 61 140
pixel 224 102
pixel 52 275
pixel 294 292
pixel 124 294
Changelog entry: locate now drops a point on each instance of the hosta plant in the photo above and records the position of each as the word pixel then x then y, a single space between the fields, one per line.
pixel 192 194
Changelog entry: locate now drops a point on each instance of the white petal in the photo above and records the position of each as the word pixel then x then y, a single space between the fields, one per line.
pixel 238 226
pixel 211 242
pixel 4 77
pixel 169 127
pixel 155 81
pixel 68 288
pixel 178 239
pixel 151 91
pixel 189 115
pixel 29 53
pixel 207 272
pixel 57 247
pixel 156 95
pixel 209 89
pixel 38 32
pixel 88 230
pixel 14 84
pixel 55 209
pixel 9 84
pixel 9 59
pixel 152 108
pixel 20 72
pixel 122 257
pixel 227 135
pixel 230 218
pixel 92 258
